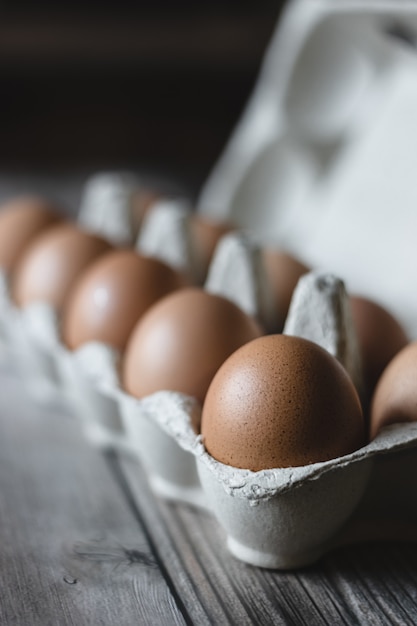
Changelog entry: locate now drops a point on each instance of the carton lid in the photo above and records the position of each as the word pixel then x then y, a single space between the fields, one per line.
pixel 322 161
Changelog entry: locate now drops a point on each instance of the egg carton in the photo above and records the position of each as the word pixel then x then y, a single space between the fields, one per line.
pixel 280 518
pixel 298 156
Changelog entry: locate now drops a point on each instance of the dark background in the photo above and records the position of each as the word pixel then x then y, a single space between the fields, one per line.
pixel 99 85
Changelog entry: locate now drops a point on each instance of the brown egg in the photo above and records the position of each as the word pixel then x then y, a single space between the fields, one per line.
pixel 182 340
pixel 205 235
pixel 21 220
pixel 283 271
pixel 52 264
pixel 281 401
pixel 380 337
pixel 395 397
pixel 112 294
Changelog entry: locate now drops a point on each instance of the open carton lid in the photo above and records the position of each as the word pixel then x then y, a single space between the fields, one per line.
pixel 323 159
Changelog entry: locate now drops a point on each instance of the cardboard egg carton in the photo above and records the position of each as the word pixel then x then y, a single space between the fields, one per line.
pixel 298 155
pixel 280 518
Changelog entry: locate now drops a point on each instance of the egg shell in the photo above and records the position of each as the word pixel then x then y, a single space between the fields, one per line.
pixel 281 401
pixel 112 294
pixel 182 340
pixel 52 263
pixel 380 338
pixel 21 220
pixel 395 397
pixel 283 271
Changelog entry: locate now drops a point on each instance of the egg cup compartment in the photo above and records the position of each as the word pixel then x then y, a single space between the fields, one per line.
pixel 83 373
pixel 143 428
pixel 153 427
pixel 289 517
pixel 278 518
pixel 26 342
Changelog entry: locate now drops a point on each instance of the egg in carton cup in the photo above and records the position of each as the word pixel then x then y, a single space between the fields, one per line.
pixel 108 216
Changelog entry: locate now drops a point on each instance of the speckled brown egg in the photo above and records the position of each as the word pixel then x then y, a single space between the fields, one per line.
pixel 395 397
pixel 182 340
pixel 281 401
pixel 380 338
pixel 21 220
pixel 206 234
pixel 112 294
pixel 283 271
pixel 52 263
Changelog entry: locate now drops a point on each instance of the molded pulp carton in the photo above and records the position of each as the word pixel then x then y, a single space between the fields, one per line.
pixel 322 164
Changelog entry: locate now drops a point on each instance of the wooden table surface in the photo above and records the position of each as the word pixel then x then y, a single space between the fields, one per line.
pixel 83 541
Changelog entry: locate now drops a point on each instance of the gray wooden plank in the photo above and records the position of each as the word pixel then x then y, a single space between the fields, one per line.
pixel 373 583
pixel 71 551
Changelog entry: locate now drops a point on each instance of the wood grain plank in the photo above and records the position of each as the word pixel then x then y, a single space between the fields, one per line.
pixel 71 552
pixel 373 583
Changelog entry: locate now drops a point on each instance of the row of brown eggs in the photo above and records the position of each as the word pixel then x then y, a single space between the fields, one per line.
pixel 272 401
pixel 101 291
pixel 52 255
